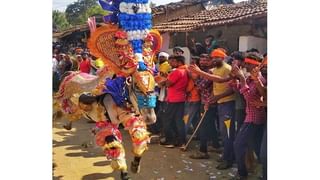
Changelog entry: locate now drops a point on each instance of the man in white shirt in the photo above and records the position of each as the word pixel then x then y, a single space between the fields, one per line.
pixel 55 74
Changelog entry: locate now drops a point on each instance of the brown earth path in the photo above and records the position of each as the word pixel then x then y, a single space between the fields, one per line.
pixel 75 161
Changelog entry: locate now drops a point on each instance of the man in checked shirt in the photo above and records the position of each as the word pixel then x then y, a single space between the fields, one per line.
pixel 253 89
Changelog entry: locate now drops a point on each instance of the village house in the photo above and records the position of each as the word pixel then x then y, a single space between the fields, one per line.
pixel 241 25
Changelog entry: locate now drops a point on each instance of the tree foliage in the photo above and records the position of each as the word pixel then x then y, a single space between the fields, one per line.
pixel 59 21
pixel 76 12
pixel 93 11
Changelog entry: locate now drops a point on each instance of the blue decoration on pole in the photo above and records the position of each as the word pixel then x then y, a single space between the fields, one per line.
pixel 131 22
pixel 136 1
pixel 137 45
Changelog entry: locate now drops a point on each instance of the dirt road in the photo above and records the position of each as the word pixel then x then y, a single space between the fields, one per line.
pixel 76 161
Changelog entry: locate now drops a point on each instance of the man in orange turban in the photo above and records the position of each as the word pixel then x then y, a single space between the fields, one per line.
pixel 219 53
pixel 223 95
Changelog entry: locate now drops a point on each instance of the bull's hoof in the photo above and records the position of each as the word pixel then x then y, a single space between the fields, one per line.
pixel 125 176
pixel 68 126
pixel 135 167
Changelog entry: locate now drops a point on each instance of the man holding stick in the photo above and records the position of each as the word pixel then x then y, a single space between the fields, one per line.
pixel 224 97
pixel 205 84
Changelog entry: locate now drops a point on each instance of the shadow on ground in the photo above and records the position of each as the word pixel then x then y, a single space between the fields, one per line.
pixel 96 176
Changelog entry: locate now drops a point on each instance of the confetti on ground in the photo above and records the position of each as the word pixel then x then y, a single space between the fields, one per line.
pixel 230 174
pixel 164 156
pixel 171 167
pixel 213 177
pixel 179 171
pixel 218 173
pixel 156 172
pixel 234 169
pixel 202 165
pixel 160 178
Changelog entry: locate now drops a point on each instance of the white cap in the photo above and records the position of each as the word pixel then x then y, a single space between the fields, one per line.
pixel 164 54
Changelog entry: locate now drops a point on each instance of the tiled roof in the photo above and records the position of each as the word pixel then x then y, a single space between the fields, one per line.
pixel 172 6
pixel 82 27
pixel 158 10
pixel 222 14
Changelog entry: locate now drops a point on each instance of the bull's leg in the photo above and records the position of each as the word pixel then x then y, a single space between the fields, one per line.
pixel 109 138
pixel 136 127
pixel 140 138
pixel 115 151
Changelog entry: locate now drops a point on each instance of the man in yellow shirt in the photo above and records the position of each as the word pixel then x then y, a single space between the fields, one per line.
pixel 224 96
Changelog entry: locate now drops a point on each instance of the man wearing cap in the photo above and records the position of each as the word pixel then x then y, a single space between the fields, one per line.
pixel 251 131
pixel 178 51
pixel 164 66
pixel 164 69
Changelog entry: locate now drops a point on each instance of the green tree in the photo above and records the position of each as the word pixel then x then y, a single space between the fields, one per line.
pixel 76 12
pixel 59 21
pixel 92 11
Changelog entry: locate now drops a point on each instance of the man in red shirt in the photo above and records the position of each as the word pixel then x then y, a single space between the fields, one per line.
pixel 85 64
pixel 176 84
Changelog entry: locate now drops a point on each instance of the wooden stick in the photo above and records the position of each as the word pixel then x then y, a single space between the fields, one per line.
pixel 184 148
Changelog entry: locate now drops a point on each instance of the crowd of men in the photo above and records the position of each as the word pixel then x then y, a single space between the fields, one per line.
pixel 226 91
pixel 72 58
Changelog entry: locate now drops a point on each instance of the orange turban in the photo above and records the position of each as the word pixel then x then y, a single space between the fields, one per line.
pixel 218 53
pixel 251 61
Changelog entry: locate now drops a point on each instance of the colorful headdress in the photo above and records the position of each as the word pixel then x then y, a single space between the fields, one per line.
pixel 129 21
